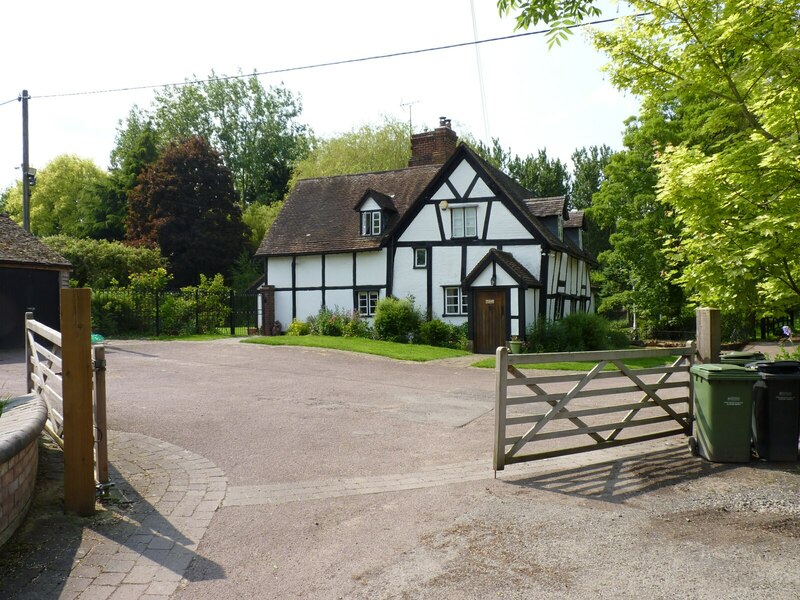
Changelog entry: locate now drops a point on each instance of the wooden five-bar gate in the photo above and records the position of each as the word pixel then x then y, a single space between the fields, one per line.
pixel 68 373
pixel 540 415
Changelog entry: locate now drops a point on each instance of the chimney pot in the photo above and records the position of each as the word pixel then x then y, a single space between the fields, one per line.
pixel 442 121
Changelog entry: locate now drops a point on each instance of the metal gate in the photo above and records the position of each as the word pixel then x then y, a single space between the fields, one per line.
pixel 544 415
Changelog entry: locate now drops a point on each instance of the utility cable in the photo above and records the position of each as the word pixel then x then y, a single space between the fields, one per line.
pixel 336 62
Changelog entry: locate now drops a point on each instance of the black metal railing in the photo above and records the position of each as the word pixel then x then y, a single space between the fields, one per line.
pixel 124 312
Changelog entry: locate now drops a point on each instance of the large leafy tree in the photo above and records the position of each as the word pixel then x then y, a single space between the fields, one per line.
pixel 186 205
pixel 542 175
pixel 256 130
pixel 588 174
pixel 733 179
pixel 68 198
pixel 632 277
pixel 368 148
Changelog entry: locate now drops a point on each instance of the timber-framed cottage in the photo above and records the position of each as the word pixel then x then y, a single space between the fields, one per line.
pixel 465 240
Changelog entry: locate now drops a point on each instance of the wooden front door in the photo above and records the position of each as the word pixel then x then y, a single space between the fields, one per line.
pixel 490 320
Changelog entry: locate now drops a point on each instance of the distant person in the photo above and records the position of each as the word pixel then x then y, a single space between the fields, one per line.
pixel 787 335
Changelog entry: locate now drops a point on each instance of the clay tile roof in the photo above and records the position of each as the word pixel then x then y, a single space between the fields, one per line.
pixel 509 263
pixel 575 220
pixel 319 216
pixel 547 207
pixel 22 248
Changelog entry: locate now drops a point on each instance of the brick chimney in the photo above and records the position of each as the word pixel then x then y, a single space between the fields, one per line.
pixel 433 147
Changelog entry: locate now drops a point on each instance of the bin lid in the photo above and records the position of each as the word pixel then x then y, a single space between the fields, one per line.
pixel 751 355
pixel 723 371
pixel 779 367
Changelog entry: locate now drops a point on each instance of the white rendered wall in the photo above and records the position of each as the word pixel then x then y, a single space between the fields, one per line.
pixel 371 268
pixel 446 271
pixel 339 299
pixel 308 304
pixel 531 306
pixel 461 177
pixel 308 271
pixel 475 254
pixel 443 193
pixel 407 279
pixel 283 308
pixel 370 204
pixel 424 227
pixel 504 225
pixel 279 271
pixel 502 278
pixel 529 256
pixel 339 270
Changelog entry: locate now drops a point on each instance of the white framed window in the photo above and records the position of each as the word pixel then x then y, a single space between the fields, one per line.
pixel 465 222
pixel 371 222
pixel 367 301
pixel 455 301
pixel 420 258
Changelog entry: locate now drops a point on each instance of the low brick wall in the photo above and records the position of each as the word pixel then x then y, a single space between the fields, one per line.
pixel 20 426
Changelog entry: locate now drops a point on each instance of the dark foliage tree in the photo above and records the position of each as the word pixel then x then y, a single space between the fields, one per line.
pixel 185 204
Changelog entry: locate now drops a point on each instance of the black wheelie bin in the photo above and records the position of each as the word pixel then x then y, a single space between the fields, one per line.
pixel 776 410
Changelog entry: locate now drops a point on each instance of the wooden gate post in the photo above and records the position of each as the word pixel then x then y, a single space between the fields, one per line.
pixel 76 354
pixel 709 334
pixel 501 389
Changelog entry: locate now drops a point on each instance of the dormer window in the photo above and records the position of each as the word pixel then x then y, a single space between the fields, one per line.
pixel 370 222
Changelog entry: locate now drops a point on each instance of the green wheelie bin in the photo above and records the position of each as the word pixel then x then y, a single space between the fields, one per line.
pixel 723 409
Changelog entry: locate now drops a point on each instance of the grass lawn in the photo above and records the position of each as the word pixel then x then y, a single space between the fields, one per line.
pixel 414 352
pixel 632 363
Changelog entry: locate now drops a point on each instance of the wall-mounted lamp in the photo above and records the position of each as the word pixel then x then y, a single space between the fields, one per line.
pixel 493 280
pixel 443 205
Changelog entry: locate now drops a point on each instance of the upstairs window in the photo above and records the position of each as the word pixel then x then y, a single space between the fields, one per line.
pixel 371 222
pixel 420 258
pixel 465 222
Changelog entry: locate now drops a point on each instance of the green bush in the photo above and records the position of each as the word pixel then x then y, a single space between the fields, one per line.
pixel 100 263
pixel 114 312
pixel 574 333
pixel 338 323
pixel 355 326
pixel 298 328
pixel 177 314
pixel 396 320
pixel 444 335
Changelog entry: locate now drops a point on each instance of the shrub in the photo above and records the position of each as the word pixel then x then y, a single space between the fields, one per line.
pixel 99 263
pixel 574 333
pixel 114 312
pixel 298 328
pixel 327 322
pixel 355 326
pixel 396 320
pixel 177 314
pixel 444 335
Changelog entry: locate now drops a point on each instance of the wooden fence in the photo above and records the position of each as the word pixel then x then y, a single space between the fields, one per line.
pixel 69 374
pixel 548 415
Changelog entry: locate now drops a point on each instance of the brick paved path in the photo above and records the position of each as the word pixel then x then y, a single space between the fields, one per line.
pixel 142 545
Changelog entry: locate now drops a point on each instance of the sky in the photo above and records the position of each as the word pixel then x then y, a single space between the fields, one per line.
pixel 530 97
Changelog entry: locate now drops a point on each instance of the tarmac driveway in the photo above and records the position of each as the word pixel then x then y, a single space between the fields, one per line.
pixel 351 476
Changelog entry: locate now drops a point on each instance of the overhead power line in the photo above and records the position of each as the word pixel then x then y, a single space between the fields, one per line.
pixel 333 63
pixel 17 99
